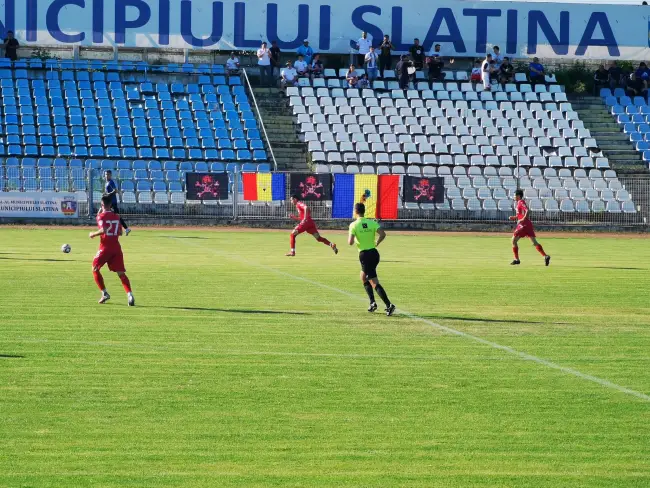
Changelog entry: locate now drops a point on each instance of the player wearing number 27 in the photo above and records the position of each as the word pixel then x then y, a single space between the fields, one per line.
pixel 110 251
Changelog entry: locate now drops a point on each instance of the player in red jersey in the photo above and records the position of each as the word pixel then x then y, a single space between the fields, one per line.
pixel 305 224
pixel 110 251
pixel 524 229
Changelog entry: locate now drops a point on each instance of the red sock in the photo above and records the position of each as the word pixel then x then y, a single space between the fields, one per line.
pixel 515 250
pixel 540 249
pixel 125 283
pixel 324 241
pixel 292 240
pixel 99 279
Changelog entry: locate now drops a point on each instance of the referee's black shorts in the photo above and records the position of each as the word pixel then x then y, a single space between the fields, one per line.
pixel 369 261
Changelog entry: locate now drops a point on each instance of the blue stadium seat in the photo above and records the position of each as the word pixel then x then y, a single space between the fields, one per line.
pixel 145 153
pixel 227 155
pixel 217 167
pixel 201 167
pixel 172 175
pixel 211 154
pixel 259 155
pixel 124 164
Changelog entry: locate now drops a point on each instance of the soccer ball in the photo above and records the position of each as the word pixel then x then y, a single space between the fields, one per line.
pixel 65 248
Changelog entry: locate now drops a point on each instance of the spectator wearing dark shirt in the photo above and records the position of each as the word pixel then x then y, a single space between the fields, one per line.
pixel 110 189
pixel 275 58
pixel 435 63
pixel 317 67
pixel 506 71
pixel 403 71
pixel 616 78
pixel 536 72
pixel 385 55
pixel 638 81
pixel 11 45
pixel 417 54
pixel 601 79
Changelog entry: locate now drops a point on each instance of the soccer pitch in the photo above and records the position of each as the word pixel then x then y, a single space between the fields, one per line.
pixel 241 367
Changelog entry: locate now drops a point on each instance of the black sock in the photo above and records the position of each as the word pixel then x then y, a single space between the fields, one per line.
pixel 123 223
pixel 382 294
pixel 368 288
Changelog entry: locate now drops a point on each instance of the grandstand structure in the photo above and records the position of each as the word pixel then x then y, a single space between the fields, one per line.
pixel 149 125
pixel 66 121
pixel 484 144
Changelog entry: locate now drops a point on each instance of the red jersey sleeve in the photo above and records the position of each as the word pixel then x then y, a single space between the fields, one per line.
pixel 522 207
pixel 303 211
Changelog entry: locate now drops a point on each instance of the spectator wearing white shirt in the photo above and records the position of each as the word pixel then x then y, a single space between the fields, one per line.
pixel 372 68
pixel 301 66
pixel 363 46
pixel 264 62
pixel 486 71
pixel 289 76
pixel 232 64
pixel 497 57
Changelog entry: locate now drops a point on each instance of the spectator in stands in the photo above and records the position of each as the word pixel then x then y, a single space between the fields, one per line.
pixel 363 82
pixel 403 73
pixel 434 69
pixel 385 56
pixel 264 62
pixel 435 64
pixel 301 67
pixel 486 72
pixel 536 72
pixel 372 65
pixel 306 51
pixel 616 77
pixel 475 75
pixel 638 82
pixel 506 71
pixel 363 46
pixel 232 64
pixel 317 67
pixel 601 79
pixel 289 75
pixel 417 54
pixel 11 45
pixel 497 57
pixel 352 77
pixel 275 58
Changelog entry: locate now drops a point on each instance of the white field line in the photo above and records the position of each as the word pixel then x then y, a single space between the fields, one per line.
pixel 522 355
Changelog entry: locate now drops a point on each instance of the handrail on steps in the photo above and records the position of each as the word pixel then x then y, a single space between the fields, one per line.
pixel 259 114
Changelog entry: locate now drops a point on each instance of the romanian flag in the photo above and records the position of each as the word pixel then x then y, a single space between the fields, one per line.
pixel 378 193
pixel 264 186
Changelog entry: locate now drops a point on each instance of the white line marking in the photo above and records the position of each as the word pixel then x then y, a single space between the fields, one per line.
pixel 522 355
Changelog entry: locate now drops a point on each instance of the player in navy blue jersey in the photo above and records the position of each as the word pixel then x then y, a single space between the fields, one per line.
pixel 111 190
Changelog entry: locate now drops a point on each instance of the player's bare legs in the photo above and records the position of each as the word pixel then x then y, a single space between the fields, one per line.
pixel 127 287
pixel 292 241
pixel 540 249
pixel 318 237
pixel 99 279
pixel 515 250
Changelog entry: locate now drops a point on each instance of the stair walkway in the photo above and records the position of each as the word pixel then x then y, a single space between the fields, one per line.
pixel 623 156
pixel 290 153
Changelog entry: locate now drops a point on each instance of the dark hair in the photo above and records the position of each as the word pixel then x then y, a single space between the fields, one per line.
pixel 360 208
pixel 496 47
pixel 108 171
pixel 10 32
pixel 296 196
pixel 519 193
pixel 506 58
pixel 107 201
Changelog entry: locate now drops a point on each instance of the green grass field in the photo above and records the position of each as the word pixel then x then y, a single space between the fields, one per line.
pixel 240 367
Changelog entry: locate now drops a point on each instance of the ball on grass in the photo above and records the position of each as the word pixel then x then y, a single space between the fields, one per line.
pixel 65 248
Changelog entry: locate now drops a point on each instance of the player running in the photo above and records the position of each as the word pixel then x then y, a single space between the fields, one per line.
pixel 524 229
pixel 306 224
pixel 111 190
pixel 110 251
pixel 362 232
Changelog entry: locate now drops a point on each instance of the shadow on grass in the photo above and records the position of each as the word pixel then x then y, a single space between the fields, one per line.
pixel 620 268
pixel 11 356
pixel 491 321
pixel 231 310
pixel 42 260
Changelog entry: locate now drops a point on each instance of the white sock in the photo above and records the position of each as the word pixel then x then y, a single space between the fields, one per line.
pixel 129 294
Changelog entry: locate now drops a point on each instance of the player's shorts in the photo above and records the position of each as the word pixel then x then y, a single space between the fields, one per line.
pixel 369 261
pixel 524 230
pixel 114 259
pixel 309 227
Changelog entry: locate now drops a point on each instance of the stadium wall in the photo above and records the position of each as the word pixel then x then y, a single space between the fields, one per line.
pixel 546 30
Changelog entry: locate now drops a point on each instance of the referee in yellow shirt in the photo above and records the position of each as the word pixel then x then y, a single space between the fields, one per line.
pixel 362 233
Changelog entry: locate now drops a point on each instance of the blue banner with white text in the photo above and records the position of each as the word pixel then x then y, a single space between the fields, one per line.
pixel 521 29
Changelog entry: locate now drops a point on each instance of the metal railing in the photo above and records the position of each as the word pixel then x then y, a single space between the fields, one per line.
pixel 260 118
